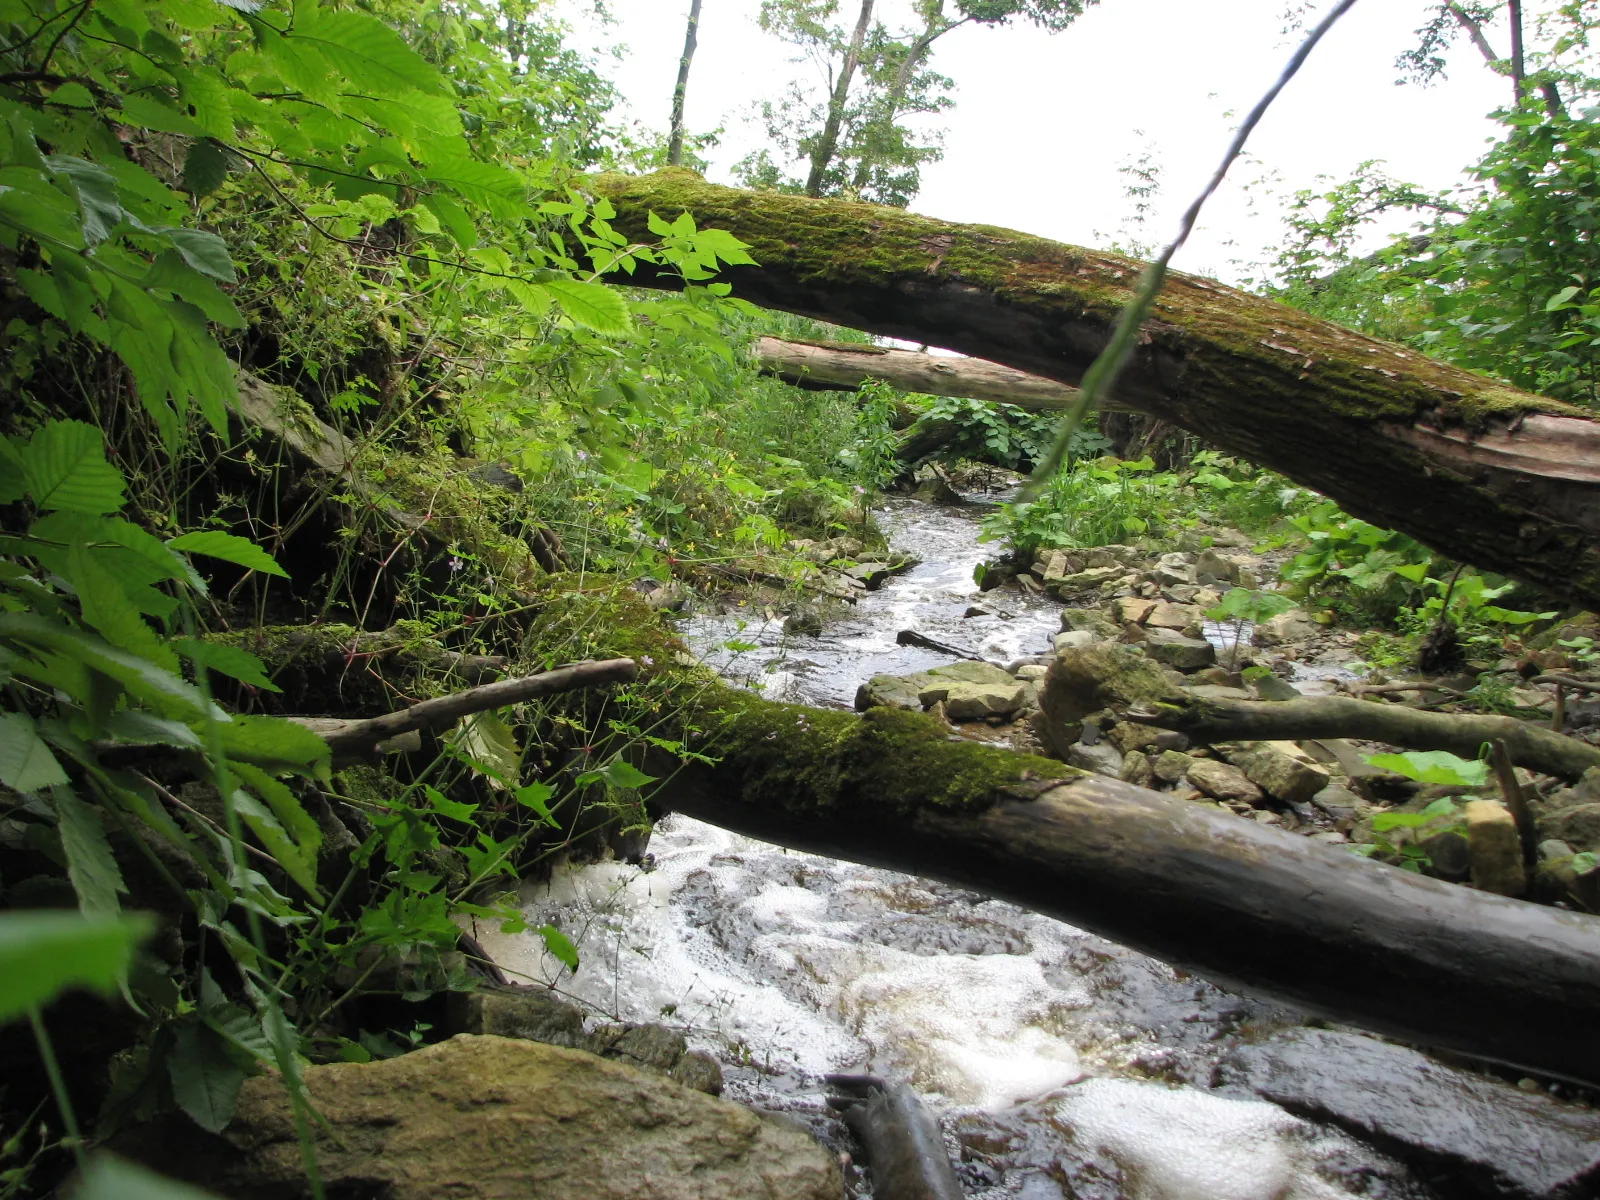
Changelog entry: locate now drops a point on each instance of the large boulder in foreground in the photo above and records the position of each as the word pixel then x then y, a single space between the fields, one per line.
pixel 482 1118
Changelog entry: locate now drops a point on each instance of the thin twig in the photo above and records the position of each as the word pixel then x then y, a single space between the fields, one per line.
pixel 1102 374
pixel 359 738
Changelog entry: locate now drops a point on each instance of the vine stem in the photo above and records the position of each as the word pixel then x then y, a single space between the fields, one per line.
pixel 1102 374
pixel 58 1085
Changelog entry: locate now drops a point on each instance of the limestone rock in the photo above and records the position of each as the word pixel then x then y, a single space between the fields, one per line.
pixel 1209 562
pixel 972 691
pixel 1076 639
pixel 1031 672
pixel 1172 765
pixel 892 691
pixel 1221 781
pixel 1080 619
pixel 1132 611
pixel 1174 616
pixel 1087 680
pixel 1136 769
pixel 1102 758
pixel 1339 802
pixel 1292 626
pixel 534 1014
pixel 1474 1134
pixel 1279 774
pixel 481 1118
pixel 1174 569
pixel 1494 848
pixel 1129 736
pixel 1578 824
pixel 1172 648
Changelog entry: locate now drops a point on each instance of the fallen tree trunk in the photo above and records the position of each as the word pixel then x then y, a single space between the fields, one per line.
pixel 1476 469
pixel 1246 905
pixel 845 366
pixel 1463 734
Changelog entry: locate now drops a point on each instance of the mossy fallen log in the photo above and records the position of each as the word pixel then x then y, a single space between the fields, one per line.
pixel 1241 903
pixel 1479 470
pixel 1464 734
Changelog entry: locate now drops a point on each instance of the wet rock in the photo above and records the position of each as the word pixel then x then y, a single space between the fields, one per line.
pixel 1136 769
pixel 1129 736
pixel 892 691
pixel 1558 878
pixel 481 1117
pixel 698 1071
pixel 1172 765
pixel 807 623
pixel 653 1046
pixel 977 610
pixel 1091 620
pixel 971 691
pixel 1174 616
pixel 1031 672
pixel 1102 758
pixel 1076 639
pixel 1270 687
pixel 1339 802
pixel 1131 610
pixel 1029 585
pixel 1449 855
pixel 872 574
pixel 1085 681
pixel 1293 626
pixel 1175 650
pixel 1478 1136
pixel 1494 848
pixel 1578 825
pixel 1278 773
pixel 1223 782
pixel 1209 562
pixel 1086 580
pixel 533 1014
pixel 1174 569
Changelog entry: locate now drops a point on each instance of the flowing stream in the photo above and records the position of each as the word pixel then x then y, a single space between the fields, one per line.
pixel 1060 1064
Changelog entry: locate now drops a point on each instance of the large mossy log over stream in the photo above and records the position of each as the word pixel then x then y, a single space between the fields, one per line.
pixel 1235 901
pixel 1483 472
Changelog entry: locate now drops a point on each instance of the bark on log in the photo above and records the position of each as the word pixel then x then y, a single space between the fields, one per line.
pixel 1463 734
pixel 1474 468
pixel 845 366
pixel 904 1146
pixel 1249 906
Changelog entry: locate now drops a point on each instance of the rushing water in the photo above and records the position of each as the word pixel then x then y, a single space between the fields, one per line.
pixel 1061 1064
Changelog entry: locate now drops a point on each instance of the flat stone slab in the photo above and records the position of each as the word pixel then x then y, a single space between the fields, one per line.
pixel 1486 1137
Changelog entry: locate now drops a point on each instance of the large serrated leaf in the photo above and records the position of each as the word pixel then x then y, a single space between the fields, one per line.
pixel 90 865
pixel 205 1078
pixel 592 305
pixel 300 824
pixel 242 552
pixel 106 606
pixel 110 1178
pixel 274 744
pixel 26 763
pixel 302 868
pixel 64 466
pixel 368 55
pixel 44 953
pixel 227 660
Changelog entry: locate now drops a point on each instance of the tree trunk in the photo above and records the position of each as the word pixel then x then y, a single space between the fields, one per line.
pixel 828 142
pixel 845 367
pixel 1476 469
pixel 675 145
pixel 1238 902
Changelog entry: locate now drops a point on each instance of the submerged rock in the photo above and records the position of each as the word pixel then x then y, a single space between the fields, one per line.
pixel 1482 1136
pixel 486 1117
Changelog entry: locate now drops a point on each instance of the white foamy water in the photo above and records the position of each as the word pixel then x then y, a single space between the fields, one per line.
pixel 788 966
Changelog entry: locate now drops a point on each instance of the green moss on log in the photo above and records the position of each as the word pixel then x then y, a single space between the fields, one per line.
pixel 882 765
pixel 1227 340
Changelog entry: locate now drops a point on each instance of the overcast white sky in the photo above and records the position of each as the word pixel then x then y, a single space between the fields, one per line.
pixel 1042 122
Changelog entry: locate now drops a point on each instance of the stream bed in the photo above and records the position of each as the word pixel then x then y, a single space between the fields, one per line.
pixel 1060 1064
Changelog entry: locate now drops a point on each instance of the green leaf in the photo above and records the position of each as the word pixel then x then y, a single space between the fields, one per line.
pixel 491 745
pixel 242 552
pixel 272 835
pixel 90 865
pixel 537 797
pixel 99 208
pixel 593 306
pixel 300 824
pixel 147 112
pixel 1433 766
pixel 43 953
pixel 368 55
pixel 111 1178
pixel 205 1078
pixel 445 806
pixel 26 763
pixel 624 775
pixel 72 95
pixel 64 465
pixel 205 252
pixel 274 744
pixel 560 945
pixel 106 606
pixel 1562 299
pixel 227 660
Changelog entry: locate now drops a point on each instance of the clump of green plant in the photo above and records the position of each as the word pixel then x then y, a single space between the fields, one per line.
pixel 1439 817
pixel 1098 502
pixel 1241 607
pixel 1003 434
